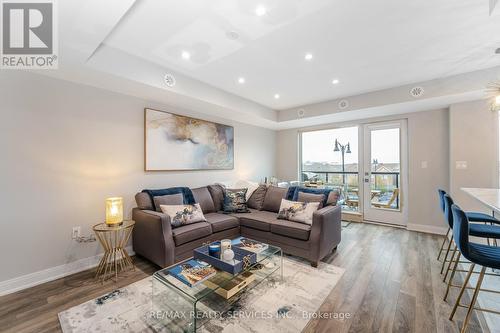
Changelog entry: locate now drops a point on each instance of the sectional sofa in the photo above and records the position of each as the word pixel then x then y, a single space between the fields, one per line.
pixel 155 239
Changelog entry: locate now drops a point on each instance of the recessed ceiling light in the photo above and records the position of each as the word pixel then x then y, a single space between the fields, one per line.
pixel 335 81
pixel 276 96
pixel 186 55
pixel 241 80
pixel 260 11
pixel 308 56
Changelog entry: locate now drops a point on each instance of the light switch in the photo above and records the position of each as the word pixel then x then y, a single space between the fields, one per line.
pixel 424 164
pixel 460 165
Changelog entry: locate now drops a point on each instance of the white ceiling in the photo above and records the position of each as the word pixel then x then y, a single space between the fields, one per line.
pixel 367 45
pixel 377 51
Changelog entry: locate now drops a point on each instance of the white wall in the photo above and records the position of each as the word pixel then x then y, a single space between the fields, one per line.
pixel 428 134
pixel 427 141
pixel 473 139
pixel 65 147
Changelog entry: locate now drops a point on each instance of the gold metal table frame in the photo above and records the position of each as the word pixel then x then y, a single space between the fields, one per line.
pixel 114 239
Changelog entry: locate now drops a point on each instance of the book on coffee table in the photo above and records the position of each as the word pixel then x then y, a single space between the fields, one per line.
pixel 250 245
pixel 226 286
pixel 192 272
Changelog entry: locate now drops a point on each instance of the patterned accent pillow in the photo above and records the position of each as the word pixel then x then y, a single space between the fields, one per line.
pixel 183 214
pixel 297 211
pixel 235 201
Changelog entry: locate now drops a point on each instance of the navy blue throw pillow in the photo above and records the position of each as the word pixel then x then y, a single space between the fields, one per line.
pixel 235 201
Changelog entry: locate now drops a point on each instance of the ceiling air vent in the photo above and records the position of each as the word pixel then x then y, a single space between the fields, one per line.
pixel 301 113
pixel 417 92
pixel 232 35
pixel 169 80
pixel 343 104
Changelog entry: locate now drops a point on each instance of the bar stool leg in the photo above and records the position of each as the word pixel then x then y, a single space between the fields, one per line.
pixel 452 276
pixel 455 250
pixel 444 242
pixel 473 301
pixel 447 252
pixel 495 243
pixel 459 297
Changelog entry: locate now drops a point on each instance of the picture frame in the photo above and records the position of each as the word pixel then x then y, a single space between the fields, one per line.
pixel 174 142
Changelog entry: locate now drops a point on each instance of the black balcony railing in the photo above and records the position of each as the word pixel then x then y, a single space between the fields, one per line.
pixel 336 178
pixel 327 178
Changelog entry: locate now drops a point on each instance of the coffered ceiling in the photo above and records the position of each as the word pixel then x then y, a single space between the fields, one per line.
pixel 272 55
pixel 366 45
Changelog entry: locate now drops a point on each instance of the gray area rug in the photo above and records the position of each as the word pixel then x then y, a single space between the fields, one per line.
pixel 272 306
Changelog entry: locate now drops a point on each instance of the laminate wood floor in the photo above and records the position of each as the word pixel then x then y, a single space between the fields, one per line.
pixel 391 284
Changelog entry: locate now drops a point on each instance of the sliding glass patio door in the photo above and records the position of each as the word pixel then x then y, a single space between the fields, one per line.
pixel 373 189
pixel 329 159
pixel 385 172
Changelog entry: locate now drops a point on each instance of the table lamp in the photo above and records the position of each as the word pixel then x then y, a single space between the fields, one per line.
pixel 114 211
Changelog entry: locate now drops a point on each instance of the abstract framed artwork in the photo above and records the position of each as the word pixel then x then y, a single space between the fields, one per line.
pixel 173 143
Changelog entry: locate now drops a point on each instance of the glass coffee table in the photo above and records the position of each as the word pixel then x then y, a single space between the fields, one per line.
pixel 176 307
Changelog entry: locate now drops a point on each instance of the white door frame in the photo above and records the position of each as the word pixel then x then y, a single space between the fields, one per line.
pixel 390 216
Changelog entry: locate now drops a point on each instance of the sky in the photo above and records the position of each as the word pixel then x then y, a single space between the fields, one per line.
pixel 317 146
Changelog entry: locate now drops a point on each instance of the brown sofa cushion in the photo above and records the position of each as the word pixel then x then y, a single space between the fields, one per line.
pixel 311 197
pixel 191 232
pixel 291 229
pixel 143 201
pixel 260 220
pixel 202 196
pixel 220 222
pixel 169 199
pixel 273 198
pixel 217 193
pixel 256 200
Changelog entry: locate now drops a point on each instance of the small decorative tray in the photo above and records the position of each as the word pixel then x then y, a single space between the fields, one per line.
pixel 201 253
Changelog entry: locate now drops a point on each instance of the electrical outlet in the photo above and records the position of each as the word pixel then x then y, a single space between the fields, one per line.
pixel 76 232
pixel 460 165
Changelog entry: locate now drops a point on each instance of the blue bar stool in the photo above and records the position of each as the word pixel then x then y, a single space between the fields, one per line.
pixel 441 194
pixel 472 216
pixel 475 229
pixel 478 254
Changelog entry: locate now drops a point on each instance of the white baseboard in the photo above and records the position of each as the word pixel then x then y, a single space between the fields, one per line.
pixel 50 274
pixel 428 229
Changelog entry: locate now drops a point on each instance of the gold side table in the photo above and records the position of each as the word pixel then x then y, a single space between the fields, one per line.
pixel 114 239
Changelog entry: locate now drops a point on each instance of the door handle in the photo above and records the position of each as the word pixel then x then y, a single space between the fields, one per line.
pixel 367 180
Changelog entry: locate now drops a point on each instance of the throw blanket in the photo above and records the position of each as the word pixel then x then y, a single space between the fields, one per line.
pixel 187 195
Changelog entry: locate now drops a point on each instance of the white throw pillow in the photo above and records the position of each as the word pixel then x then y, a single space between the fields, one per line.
pixel 297 211
pixel 183 214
